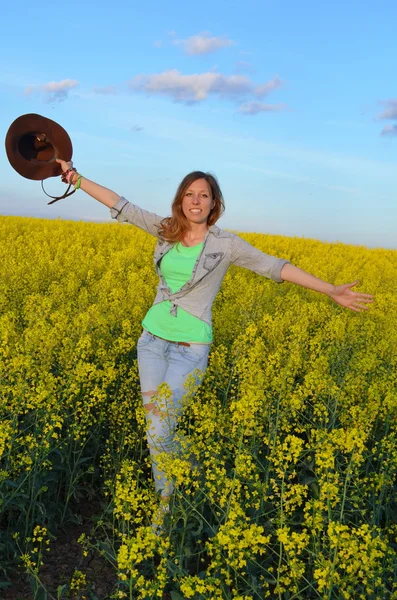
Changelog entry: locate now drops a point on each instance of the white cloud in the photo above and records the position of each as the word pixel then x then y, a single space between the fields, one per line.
pixel 203 43
pixel 54 91
pixel 266 88
pixel 389 130
pixel 390 111
pixel 199 86
pixel 389 114
pixel 254 108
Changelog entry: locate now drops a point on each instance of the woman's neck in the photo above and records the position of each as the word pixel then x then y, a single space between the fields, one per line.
pixel 196 233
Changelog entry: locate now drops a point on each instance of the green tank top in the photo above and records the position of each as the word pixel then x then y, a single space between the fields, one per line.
pixel 177 268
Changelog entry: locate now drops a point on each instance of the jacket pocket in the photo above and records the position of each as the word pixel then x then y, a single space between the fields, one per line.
pixel 212 260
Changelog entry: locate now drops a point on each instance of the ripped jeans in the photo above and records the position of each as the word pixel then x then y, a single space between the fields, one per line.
pixel 160 361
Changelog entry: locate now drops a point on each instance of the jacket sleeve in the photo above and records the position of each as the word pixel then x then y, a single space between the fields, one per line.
pixel 126 212
pixel 245 255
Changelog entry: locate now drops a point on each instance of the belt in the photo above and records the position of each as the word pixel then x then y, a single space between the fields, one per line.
pixel 172 341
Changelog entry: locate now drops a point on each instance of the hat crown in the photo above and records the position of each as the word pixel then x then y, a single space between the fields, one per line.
pixel 36 147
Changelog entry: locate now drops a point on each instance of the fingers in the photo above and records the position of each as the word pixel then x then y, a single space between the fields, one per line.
pixel 359 307
pixel 353 309
pixel 65 164
pixel 364 297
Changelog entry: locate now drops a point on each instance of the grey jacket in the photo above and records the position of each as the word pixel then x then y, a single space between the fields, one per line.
pixel 220 250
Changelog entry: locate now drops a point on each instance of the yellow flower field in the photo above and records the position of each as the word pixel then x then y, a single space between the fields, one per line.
pixel 294 428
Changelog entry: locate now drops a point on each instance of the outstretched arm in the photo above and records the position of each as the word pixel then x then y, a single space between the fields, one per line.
pixel 120 208
pixel 100 193
pixel 342 294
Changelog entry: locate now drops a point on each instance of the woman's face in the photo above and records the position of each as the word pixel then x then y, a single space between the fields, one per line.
pixel 197 201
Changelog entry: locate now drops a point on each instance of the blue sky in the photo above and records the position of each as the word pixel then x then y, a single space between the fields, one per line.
pixel 292 105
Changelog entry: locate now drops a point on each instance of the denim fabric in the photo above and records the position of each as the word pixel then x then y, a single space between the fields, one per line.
pixel 220 250
pixel 160 361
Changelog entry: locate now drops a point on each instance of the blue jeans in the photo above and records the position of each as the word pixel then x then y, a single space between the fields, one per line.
pixel 160 361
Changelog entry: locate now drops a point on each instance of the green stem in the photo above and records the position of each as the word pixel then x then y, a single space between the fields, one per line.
pixel 348 474
pixel 281 544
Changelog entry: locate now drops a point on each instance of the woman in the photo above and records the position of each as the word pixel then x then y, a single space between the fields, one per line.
pixel 191 257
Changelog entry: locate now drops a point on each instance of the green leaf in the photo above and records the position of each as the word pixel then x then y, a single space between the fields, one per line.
pixel 176 596
pixel 83 460
pixel 10 483
pixel 61 589
pixel 41 594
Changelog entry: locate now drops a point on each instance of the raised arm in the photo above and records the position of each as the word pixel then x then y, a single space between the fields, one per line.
pixel 120 208
pixel 100 193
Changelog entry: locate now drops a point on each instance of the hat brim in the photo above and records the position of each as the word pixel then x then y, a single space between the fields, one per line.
pixel 33 143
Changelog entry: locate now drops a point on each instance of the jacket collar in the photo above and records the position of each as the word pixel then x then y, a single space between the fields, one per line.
pixel 217 231
pixel 214 229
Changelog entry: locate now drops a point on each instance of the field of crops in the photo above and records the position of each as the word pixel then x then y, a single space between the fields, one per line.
pixel 294 428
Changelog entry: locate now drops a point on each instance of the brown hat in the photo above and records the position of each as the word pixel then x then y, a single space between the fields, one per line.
pixel 33 143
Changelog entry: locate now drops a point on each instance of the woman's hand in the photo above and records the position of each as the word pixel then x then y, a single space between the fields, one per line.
pixel 65 165
pixel 343 295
